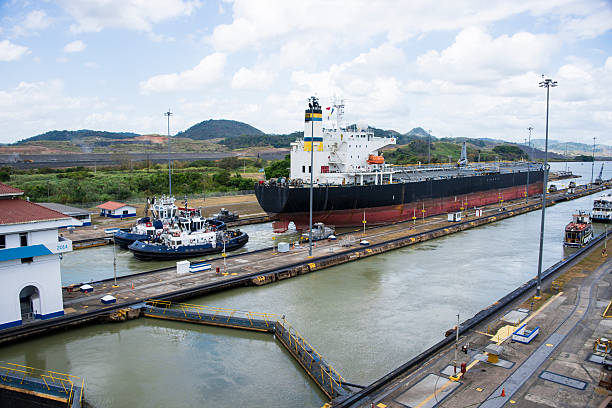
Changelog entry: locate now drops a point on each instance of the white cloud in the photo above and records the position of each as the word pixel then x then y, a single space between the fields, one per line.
pixel 12 52
pixel 138 15
pixel 75 46
pixel 33 22
pixel 36 20
pixel 475 56
pixel 207 72
pixel 252 79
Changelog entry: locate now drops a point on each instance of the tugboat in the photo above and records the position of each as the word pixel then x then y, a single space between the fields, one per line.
pixel 579 232
pixel 602 209
pixel 163 213
pixel 180 244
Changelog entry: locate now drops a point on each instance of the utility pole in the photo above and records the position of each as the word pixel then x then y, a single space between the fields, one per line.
pixel 169 163
pixel 546 83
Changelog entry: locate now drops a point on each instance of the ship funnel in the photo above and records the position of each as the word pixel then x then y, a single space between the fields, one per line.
pixel 313 123
pixel 463 161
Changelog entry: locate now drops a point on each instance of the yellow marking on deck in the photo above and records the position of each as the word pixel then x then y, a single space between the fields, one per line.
pixel 549 345
pixel 512 401
pixel 483 333
pixel 479 389
pixel 312 265
pixel 381 405
pixel 234 273
pixel 503 333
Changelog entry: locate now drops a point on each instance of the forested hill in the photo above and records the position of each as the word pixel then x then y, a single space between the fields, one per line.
pixel 61 135
pixel 210 129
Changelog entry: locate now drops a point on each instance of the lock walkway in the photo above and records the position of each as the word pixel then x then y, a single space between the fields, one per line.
pixel 317 368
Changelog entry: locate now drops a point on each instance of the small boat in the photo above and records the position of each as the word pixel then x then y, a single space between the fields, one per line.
pixel 579 232
pixel 319 231
pixel 225 215
pixel 602 209
pixel 179 244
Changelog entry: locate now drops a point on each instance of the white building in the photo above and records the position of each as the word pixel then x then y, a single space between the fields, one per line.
pixel 30 279
pixel 114 209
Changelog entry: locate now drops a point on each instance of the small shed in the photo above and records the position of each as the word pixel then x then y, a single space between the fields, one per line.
pixel 82 216
pixel 113 209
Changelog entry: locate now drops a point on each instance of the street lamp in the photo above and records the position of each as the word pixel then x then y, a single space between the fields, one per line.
pixel 169 166
pixel 314 106
pixel 546 83
pixel 593 161
pixel 530 128
pixel 429 146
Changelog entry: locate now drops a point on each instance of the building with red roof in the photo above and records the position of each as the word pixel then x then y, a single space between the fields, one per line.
pixel 114 209
pixel 30 251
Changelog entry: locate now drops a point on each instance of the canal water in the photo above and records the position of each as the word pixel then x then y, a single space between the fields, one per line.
pixel 366 318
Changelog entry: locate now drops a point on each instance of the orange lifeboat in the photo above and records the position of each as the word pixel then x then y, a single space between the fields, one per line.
pixel 376 159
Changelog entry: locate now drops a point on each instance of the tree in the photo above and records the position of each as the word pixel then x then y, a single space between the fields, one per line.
pixel 278 168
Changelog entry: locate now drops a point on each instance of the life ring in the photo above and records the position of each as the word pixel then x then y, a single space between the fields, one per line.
pixel 149 224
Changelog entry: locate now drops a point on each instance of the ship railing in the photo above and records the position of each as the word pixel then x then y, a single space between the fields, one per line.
pixel 45 381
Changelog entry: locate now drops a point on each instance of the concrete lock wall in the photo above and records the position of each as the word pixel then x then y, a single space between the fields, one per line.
pixel 43 273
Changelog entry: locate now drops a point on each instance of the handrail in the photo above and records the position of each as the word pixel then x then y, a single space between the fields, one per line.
pixel 216 312
pixel 300 341
pixel 62 382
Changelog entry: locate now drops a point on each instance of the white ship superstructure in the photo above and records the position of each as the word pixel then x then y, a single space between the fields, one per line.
pixel 602 209
pixel 342 155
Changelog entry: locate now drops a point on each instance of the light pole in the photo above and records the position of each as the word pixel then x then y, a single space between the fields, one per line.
pixel 546 83
pixel 429 146
pixel 169 166
pixel 593 162
pixel 530 128
pixel 115 265
pixel 313 104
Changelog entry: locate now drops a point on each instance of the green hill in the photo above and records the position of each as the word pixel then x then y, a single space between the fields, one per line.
pixel 63 135
pixel 219 128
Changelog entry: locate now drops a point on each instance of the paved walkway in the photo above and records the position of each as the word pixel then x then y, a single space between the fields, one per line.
pixel 538 357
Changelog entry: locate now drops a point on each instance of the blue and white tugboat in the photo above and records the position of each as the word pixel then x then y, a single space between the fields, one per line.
pixel 179 243
pixel 164 213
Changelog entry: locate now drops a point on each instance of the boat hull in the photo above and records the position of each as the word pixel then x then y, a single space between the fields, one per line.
pixel 155 252
pixel 344 206
pixel 124 238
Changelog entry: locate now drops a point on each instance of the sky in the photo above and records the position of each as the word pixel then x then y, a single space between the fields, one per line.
pixel 466 68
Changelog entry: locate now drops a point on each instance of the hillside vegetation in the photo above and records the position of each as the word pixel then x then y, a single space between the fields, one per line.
pixel 221 128
pixel 81 185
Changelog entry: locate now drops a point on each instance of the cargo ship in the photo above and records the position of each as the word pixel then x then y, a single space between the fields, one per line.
pixel 353 184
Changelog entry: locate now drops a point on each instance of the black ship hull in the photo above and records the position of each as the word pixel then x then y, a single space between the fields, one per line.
pixel 379 204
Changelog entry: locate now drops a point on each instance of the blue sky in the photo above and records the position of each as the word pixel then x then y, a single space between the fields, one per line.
pixel 467 68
